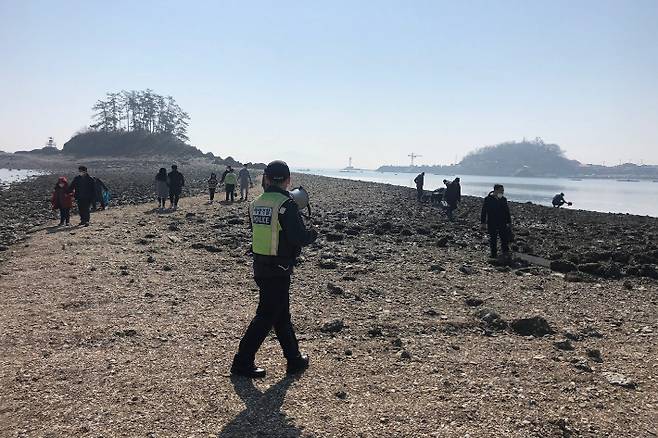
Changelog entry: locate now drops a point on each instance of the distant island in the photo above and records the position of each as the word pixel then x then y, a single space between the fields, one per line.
pixel 132 124
pixel 529 159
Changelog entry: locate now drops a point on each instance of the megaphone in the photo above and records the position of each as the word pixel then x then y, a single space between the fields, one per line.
pixel 300 196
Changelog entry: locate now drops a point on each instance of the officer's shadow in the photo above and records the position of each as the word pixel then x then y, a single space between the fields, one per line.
pixel 262 415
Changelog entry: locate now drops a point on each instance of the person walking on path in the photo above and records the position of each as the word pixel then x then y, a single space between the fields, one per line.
pixel 99 197
pixel 161 188
pixel 453 196
pixel 279 234
pixel 176 182
pixel 420 181
pixel 245 183
pixel 84 189
pixel 496 219
pixel 62 200
pixel 230 179
pixel 212 186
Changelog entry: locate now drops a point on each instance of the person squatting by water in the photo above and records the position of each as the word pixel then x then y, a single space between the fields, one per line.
pixel 559 201
pixel 279 234
pixel 420 182
pixel 245 183
pixel 212 186
pixel 230 179
pixel 161 188
pixel 62 200
pixel 497 220
pixel 83 187
pixel 176 182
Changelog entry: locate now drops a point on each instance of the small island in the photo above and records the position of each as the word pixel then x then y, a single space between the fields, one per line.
pixel 529 159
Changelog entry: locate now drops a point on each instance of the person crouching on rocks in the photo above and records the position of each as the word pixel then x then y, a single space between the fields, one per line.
pixel 62 200
pixel 212 186
pixel 279 234
pixel 496 219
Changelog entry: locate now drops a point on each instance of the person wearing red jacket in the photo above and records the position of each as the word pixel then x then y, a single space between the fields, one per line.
pixel 62 200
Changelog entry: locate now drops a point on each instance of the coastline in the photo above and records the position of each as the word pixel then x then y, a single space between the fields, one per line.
pixel 409 328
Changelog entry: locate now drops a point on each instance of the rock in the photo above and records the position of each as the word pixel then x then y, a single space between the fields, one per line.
pixel 173 239
pixel 431 312
pixel 590 268
pixel 563 266
pixel 442 241
pixel 578 277
pixel 563 344
pixel 3 248
pixel 397 343
pixel 619 380
pixel 334 289
pixel 328 264
pixel 348 352
pixel 150 259
pixel 374 332
pixel 126 333
pixel 535 326
pixel 235 221
pixel 436 268
pixel 333 326
pixel 190 214
pixel 473 302
pixel 341 395
pixel 594 354
pixel 582 365
pixel 467 269
pixel 148 295
pixel 353 231
pixel 404 354
pixel 628 285
pixel 491 319
pixel 649 271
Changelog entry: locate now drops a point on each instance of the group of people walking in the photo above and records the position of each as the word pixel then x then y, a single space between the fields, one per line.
pixel 170 185
pixel 88 192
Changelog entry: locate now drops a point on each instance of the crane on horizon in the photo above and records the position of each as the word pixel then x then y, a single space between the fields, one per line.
pixel 412 156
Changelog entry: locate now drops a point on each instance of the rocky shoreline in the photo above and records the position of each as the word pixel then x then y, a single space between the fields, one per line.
pixel 581 244
pixel 410 330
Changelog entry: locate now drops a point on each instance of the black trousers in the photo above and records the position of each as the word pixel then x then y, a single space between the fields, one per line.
pixel 273 312
pixel 230 192
pixel 174 196
pixel 83 209
pixel 494 233
pixel 211 191
pixel 64 215
pixel 419 192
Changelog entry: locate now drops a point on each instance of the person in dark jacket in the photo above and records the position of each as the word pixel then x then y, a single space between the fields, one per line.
pixel 559 201
pixel 452 196
pixel 497 220
pixel 84 189
pixel 420 181
pixel 101 188
pixel 176 182
pixel 279 234
pixel 62 200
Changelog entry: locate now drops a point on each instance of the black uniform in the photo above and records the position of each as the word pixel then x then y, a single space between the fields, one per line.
pixel 84 187
pixel 176 182
pixel 495 213
pixel 452 196
pixel 272 275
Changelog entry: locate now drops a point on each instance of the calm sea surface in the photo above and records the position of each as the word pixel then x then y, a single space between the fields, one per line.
pixel 602 195
pixel 10 176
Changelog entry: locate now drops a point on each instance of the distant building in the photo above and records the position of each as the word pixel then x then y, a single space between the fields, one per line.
pixel 50 144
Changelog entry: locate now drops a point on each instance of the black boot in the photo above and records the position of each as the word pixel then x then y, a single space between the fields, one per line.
pixel 251 371
pixel 297 365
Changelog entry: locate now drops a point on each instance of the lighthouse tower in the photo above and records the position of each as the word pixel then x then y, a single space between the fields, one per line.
pixel 50 144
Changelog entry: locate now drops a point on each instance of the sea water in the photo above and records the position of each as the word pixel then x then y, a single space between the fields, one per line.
pixel 604 195
pixel 8 176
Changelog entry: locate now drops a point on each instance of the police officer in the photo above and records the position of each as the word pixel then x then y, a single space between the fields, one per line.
pixel 278 236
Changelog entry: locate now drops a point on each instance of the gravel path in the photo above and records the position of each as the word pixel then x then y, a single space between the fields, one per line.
pixel 128 327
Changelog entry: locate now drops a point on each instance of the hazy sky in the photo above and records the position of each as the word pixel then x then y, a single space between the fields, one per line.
pixel 316 82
